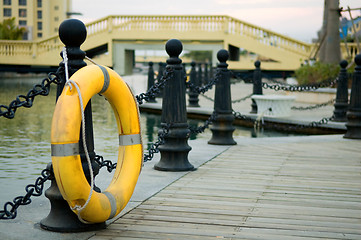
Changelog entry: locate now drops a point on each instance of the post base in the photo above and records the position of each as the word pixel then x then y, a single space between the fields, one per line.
pixel 61 218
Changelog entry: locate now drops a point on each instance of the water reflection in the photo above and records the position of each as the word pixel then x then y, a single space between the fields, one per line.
pixel 25 140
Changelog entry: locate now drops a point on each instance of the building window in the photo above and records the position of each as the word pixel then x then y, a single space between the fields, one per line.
pixel 22 2
pixel 7 12
pixel 7 2
pixel 40 25
pixel 22 23
pixel 40 15
pixel 40 3
pixel 40 35
pixel 56 7
pixel 56 19
pixel 22 13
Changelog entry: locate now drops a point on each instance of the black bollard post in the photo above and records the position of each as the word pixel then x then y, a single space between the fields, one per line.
pixel 353 115
pixel 222 128
pixel 210 71
pixel 341 104
pixel 174 151
pixel 206 79
pixel 72 33
pixel 193 96
pixel 159 77
pixel 200 74
pixel 257 84
pixel 151 80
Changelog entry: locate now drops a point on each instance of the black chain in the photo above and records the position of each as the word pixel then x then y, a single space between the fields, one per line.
pixel 205 88
pixel 154 147
pixel 154 90
pixel 27 100
pixel 312 124
pixel 105 163
pixel 242 99
pixel 313 106
pixel 300 88
pixel 10 208
pixel 200 129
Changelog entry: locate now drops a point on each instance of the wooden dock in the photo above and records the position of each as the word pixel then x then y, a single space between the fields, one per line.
pixel 309 188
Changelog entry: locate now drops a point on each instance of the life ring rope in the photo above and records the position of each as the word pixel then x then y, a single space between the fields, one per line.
pixel 69 82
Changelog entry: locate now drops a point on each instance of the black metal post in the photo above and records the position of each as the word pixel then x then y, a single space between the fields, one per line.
pixel 200 74
pixel 151 80
pixel 206 76
pixel 193 96
pixel 222 128
pixel 354 110
pixel 72 33
pixel 257 84
pixel 341 104
pixel 174 151
pixel 159 77
pixel 210 71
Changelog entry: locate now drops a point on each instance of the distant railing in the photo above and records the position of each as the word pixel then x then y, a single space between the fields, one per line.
pixel 224 25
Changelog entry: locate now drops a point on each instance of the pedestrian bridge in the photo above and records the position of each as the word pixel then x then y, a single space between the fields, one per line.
pixel 112 41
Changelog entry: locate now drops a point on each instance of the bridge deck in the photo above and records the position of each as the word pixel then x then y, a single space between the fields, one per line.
pixel 279 188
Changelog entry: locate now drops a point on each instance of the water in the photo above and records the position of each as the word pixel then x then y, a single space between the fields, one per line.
pixel 25 140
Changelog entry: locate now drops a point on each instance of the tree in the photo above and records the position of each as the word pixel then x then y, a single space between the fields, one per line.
pixel 10 31
pixel 330 51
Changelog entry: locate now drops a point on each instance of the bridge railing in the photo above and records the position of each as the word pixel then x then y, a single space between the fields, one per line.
pixel 219 26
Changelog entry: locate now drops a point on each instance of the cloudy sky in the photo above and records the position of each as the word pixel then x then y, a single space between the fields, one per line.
pixel 300 19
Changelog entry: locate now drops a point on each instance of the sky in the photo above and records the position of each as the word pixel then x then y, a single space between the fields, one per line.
pixel 299 19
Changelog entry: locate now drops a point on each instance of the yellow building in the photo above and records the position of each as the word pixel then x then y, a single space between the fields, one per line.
pixel 41 18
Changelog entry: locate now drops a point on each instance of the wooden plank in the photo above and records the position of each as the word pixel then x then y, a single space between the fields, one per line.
pixel 288 191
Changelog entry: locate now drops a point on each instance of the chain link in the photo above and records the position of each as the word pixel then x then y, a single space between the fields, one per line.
pixel 154 147
pixel 27 100
pixel 105 163
pixel 314 106
pixel 242 99
pixel 205 88
pixel 300 88
pixel 312 124
pixel 200 129
pixel 36 189
pixel 154 90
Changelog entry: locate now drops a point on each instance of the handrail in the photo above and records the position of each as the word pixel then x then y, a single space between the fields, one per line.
pixel 218 26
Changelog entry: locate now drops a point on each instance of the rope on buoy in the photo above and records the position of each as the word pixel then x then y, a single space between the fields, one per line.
pixel 70 82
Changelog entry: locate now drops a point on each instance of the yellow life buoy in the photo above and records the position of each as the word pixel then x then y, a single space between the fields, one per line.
pixel 65 129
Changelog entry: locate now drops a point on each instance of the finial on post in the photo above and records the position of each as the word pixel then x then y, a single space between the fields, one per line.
pixel 72 32
pixel 174 48
pixel 222 57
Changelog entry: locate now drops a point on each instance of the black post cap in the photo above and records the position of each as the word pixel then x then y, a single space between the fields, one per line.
pixel 257 64
pixel 72 32
pixel 174 48
pixel 343 64
pixel 222 57
pixel 358 59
